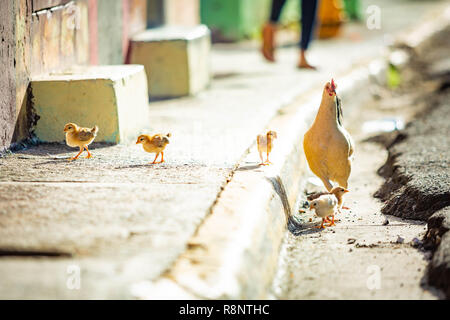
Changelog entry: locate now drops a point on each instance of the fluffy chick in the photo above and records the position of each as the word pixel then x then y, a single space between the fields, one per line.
pixel 328 146
pixel 154 144
pixel 265 145
pixel 338 192
pixel 79 137
pixel 325 206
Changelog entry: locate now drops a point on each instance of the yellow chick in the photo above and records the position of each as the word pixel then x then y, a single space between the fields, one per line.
pixel 79 137
pixel 325 206
pixel 328 146
pixel 338 192
pixel 265 144
pixel 154 144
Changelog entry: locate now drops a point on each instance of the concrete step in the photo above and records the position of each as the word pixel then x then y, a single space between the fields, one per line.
pixel 114 98
pixel 176 59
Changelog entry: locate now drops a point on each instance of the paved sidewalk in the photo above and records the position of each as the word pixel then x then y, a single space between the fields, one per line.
pixel 121 220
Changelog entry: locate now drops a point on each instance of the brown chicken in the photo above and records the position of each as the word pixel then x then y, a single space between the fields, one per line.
pixel 154 144
pixel 80 137
pixel 265 144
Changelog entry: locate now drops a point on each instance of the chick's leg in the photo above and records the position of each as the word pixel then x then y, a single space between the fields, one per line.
pixel 332 221
pixel 262 159
pixel 89 155
pixel 154 160
pixel 343 207
pixel 267 161
pixel 321 226
pixel 76 157
pixel 162 157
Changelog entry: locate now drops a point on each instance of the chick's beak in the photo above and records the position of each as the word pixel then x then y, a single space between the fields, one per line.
pixel 345 191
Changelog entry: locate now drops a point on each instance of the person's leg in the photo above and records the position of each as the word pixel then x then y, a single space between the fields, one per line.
pixel 309 10
pixel 277 6
pixel 269 29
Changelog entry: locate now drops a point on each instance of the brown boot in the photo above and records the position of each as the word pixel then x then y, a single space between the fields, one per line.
pixel 268 47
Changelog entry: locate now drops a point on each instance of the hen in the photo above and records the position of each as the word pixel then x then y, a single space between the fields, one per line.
pixel 328 146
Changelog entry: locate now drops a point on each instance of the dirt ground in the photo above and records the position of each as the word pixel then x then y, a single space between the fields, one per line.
pixel 367 255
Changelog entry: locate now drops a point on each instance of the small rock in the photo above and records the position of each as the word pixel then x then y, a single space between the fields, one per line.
pixel 301 211
pixel 310 219
pixel 400 239
pixel 351 240
pixel 386 222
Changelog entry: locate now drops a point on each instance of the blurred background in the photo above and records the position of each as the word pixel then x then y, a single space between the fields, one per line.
pixel 41 36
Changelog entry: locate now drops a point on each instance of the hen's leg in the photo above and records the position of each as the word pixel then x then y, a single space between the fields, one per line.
pixel 326 183
pixel 76 157
pixel 89 155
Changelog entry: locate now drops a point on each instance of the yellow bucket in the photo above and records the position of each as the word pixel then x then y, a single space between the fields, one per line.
pixel 330 18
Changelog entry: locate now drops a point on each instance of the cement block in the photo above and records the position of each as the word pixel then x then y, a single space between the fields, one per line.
pixel 113 97
pixel 176 59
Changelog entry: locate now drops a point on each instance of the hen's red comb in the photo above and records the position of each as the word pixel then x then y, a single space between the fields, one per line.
pixel 333 85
